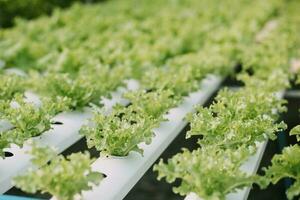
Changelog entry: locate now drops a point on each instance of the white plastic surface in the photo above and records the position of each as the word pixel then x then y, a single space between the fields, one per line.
pixel 124 172
pixel 61 137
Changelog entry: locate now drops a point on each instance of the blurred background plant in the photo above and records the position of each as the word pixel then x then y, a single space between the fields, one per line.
pixel 29 9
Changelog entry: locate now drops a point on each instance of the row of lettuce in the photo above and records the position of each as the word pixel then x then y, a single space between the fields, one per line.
pixel 77 56
pixel 237 121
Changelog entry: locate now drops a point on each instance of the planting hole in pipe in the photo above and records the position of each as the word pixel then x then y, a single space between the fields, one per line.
pixel 57 123
pixel 8 154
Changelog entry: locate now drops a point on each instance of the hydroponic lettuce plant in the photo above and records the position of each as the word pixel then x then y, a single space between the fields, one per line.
pixel 125 128
pixel 285 165
pixel 209 172
pixel 296 131
pixel 153 103
pixel 211 58
pixel 238 118
pixel 121 131
pixel 183 74
pixel 27 119
pixel 10 84
pixel 63 177
pixel 81 88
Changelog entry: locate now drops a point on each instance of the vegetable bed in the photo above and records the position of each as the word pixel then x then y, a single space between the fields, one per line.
pixel 126 76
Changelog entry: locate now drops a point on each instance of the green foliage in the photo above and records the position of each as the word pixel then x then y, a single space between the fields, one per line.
pixel 296 131
pixel 274 54
pixel 268 55
pixel 184 73
pixel 121 131
pixel 285 165
pixel 153 103
pixel 236 118
pixel 169 79
pixel 27 119
pixel 45 42
pixel 82 88
pixel 28 9
pixel 3 144
pixel 63 177
pixel 215 59
pixel 209 172
pixel 10 84
pixel 170 46
pixel 82 64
